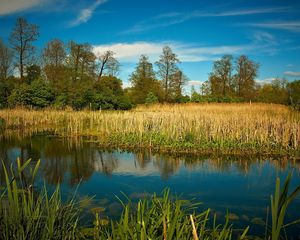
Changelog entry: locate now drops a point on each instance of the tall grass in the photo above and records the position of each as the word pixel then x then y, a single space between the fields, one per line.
pixel 256 127
pixel 25 214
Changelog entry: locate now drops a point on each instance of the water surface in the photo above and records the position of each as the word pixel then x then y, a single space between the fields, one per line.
pixel 242 185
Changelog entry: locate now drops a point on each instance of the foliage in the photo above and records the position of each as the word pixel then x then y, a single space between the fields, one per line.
pixel 81 79
pixel 294 94
pixel 21 96
pixel 274 92
pixel 151 98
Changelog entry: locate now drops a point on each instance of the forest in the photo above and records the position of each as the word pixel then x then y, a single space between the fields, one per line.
pixel 62 75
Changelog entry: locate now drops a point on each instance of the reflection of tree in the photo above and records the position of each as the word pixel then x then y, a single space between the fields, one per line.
pixel 143 158
pixel 166 165
pixel 106 163
pixel 82 164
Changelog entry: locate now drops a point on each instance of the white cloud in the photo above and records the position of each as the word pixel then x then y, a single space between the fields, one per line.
pixel 195 83
pixel 13 6
pixel 292 74
pixel 130 52
pixel 265 80
pixel 86 13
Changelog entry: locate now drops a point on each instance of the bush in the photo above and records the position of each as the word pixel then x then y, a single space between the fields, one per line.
pixel 42 94
pixel 151 99
pixel 20 96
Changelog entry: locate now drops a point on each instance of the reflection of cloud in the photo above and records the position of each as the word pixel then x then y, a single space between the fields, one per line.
pixel 173 18
pixel 86 13
pixel 292 74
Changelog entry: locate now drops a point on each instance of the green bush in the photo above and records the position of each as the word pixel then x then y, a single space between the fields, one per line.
pixel 151 99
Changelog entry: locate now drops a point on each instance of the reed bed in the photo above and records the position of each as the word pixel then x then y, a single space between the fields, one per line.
pixel 244 126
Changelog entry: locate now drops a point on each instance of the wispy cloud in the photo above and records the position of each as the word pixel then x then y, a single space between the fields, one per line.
pixel 86 13
pixel 293 26
pixel 172 18
pixel 13 6
pixel 292 74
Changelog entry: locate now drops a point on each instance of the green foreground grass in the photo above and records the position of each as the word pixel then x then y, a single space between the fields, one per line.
pixel 29 214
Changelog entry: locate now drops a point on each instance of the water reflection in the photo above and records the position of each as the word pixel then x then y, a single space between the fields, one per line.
pixel 241 184
pixel 76 161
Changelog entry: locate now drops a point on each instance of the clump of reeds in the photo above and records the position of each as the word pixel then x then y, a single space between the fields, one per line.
pixel 26 214
pixel 255 127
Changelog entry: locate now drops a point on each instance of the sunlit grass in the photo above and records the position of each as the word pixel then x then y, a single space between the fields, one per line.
pixel 186 127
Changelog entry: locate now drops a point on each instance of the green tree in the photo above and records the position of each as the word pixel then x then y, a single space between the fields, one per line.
pixel 274 92
pixel 143 81
pixel 220 78
pixel 151 98
pixel 21 96
pixel 167 65
pixel 42 94
pixel 294 93
pixel 54 59
pixel 33 72
pixel 81 61
pixel 108 64
pixel 176 85
pixel 246 72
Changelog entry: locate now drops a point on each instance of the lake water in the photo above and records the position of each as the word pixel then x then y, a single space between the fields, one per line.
pixel 242 185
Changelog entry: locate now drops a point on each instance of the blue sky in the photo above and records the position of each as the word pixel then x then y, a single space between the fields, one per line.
pixel 199 31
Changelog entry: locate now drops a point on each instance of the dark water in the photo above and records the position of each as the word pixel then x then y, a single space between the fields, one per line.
pixel 242 185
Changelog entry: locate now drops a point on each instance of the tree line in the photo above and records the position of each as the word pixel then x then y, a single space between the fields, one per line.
pixel 71 75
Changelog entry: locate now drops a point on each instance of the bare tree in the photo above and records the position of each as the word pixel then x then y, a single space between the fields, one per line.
pixel 6 57
pixel 108 63
pixel 21 40
pixel 167 68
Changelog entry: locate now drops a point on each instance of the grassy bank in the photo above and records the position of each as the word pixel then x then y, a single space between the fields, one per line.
pixel 263 128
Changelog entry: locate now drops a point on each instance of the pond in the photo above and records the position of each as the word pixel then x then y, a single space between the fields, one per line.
pixel 241 185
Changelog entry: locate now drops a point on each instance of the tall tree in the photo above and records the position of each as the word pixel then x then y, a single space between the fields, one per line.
pixel 21 40
pixel 108 64
pixel 176 85
pixel 54 58
pixel 246 72
pixel 167 68
pixel 220 78
pixel 143 80
pixel 33 72
pixel 81 61
pixel 6 56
